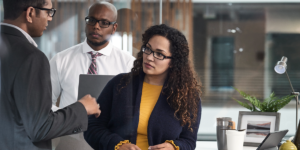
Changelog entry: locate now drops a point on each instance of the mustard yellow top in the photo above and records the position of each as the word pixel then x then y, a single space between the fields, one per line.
pixel 150 95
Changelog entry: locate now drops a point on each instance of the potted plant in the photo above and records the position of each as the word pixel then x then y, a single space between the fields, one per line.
pixel 262 119
pixel 270 104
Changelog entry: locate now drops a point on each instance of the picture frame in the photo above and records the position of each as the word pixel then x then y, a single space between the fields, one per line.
pixel 257 125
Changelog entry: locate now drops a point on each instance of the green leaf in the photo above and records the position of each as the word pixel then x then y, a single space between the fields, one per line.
pixel 255 103
pixel 271 104
pixel 243 104
pixel 280 103
pixel 241 92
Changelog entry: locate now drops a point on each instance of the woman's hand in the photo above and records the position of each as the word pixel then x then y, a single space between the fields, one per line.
pixel 129 146
pixel 163 146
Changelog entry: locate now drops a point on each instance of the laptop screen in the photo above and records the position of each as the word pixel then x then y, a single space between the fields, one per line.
pixel 92 84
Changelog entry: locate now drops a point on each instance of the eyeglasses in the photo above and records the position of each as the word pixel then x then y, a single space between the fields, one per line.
pixel 102 23
pixel 51 12
pixel 156 55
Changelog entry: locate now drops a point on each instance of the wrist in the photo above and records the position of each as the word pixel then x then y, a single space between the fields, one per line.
pixel 117 147
pixel 173 144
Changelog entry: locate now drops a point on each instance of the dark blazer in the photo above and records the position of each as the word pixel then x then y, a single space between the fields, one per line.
pixel 120 117
pixel 27 121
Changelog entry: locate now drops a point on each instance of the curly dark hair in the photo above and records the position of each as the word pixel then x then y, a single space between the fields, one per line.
pixel 181 87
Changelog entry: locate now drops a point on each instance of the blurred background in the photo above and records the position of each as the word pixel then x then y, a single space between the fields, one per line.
pixel 233 44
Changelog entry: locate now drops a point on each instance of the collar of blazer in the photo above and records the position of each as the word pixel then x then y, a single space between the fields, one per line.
pixel 11 30
pixel 16 31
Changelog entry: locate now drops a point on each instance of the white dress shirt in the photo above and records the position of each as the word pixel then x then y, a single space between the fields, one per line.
pixel 29 38
pixel 67 65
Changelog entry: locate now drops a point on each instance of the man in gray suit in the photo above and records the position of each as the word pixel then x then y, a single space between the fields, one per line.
pixel 27 121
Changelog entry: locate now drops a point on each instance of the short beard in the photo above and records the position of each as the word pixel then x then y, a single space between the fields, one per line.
pixel 96 44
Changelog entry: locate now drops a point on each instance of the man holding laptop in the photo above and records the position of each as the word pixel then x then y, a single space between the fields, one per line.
pixel 96 55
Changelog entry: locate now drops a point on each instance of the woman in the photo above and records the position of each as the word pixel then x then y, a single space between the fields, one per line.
pixel 156 105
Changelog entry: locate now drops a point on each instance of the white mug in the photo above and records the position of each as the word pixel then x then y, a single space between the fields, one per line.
pixel 235 139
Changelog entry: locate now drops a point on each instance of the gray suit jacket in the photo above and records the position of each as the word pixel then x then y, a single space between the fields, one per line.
pixel 26 119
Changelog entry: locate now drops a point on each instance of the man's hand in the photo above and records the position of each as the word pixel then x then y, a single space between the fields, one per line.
pixel 91 106
pixel 129 146
pixel 163 146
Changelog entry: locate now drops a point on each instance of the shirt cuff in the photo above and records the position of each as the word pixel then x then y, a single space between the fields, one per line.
pixel 121 143
pixel 172 143
pixel 54 108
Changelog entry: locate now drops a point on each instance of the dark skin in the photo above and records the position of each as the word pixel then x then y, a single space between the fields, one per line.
pixel 34 24
pixel 31 22
pixel 97 37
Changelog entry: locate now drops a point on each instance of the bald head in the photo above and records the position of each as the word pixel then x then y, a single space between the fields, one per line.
pixel 106 5
pixel 98 34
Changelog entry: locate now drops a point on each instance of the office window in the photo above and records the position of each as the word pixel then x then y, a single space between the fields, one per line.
pixel 222 61
pixel 259 35
pixel 286 44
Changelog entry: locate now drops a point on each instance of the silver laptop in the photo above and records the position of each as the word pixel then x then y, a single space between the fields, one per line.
pixel 272 140
pixel 92 84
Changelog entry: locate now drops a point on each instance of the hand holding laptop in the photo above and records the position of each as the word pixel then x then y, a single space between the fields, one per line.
pixel 91 105
pixel 93 86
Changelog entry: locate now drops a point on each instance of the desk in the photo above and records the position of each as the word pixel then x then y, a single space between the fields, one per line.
pixel 212 145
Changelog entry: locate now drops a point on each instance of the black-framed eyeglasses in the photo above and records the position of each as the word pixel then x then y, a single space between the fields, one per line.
pixel 156 55
pixel 102 23
pixel 51 12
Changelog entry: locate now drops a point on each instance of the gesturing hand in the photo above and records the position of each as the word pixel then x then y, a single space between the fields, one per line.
pixel 163 146
pixel 91 106
pixel 129 146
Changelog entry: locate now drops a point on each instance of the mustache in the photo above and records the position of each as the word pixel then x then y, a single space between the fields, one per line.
pixel 91 33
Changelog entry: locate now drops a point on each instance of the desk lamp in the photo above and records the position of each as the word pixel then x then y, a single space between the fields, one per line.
pixel 280 68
